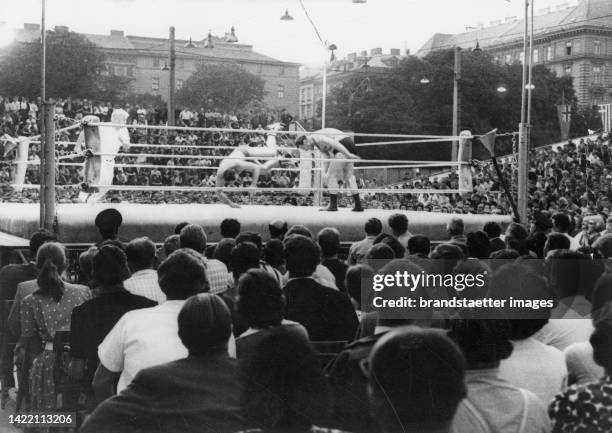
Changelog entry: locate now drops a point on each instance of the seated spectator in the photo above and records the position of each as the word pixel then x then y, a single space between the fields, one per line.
pixel 537 238
pixel 587 407
pixel 378 256
pixel 230 228
pixel 278 229
pixel 398 223
pixel 403 365
pixel 329 242
pixel 493 231
pixel 356 278
pixel 326 313
pixel 92 320
pixel 321 273
pixel 398 249
pixel 516 238
pixel 274 257
pixel 555 241
pixel 532 365
pixel 359 250
pixel 43 313
pixel 418 251
pixel 223 251
pixel 283 385
pixel 480 271
pixel 492 404
pixel 108 222
pixel 455 230
pixel 502 257
pixel 561 224
pixel 478 245
pixel 140 254
pixel 261 306
pixel 193 236
pixel 197 393
pixel 143 338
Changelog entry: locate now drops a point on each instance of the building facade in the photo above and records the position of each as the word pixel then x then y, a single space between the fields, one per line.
pixel 572 41
pixel 146 59
pixel 338 72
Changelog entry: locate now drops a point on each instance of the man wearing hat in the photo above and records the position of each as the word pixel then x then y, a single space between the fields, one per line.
pixel 108 222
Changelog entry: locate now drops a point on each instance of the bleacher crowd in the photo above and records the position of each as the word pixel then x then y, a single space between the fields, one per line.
pixel 270 332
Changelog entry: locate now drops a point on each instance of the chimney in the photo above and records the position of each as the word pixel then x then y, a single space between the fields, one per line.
pixel 364 54
pixel 395 52
pixel 117 33
pixel 62 29
pixel 351 57
pixel 31 27
pixel 495 23
pixel 544 11
pixel 510 19
pixel 376 52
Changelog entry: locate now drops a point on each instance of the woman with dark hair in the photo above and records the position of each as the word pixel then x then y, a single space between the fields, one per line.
pixel 492 404
pixel 283 386
pixel 45 312
pixel 261 306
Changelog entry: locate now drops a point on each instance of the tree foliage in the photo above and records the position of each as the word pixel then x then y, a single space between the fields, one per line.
pixel 73 67
pixel 399 102
pixel 226 88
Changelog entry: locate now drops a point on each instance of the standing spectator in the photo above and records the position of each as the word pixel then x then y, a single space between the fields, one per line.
pixel 478 245
pixel 493 231
pixel 561 224
pixel 399 228
pixel 147 337
pixel 197 393
pixel 140 254
pixel 326 313
pixel 329 242
pixel 278 229
pixel 230 228
pixel 516 238
pixel 359 250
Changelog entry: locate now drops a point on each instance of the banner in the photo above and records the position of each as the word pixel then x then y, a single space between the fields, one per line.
pixel 565 118
pixel 605 111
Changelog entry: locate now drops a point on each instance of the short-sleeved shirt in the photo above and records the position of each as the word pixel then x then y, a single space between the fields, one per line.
pixel 144 283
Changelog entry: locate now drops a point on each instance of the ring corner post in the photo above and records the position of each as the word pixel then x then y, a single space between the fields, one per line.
pixel 47 198
pixel 464 156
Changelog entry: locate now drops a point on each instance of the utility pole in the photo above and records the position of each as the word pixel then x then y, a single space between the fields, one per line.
pixel 172 80
pixel 43 99
pixel 524 127
pixel 456 102
pixel 47 179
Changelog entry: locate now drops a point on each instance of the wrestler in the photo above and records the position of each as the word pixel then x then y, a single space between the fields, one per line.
pixel 335 146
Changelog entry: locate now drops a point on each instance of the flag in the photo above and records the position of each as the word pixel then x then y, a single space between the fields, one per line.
pixel 565 118
pixel 488 141
pixel 605 111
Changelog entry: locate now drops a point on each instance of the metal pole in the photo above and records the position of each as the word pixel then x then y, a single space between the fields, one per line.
pixel 43 97
pixel 47 198
pixel 456 102
pixel 172 80
pixel 523 150
pixel 530 65
pixel 324 103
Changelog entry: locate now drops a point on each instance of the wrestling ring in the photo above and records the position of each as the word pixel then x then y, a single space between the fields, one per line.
pixel 74 221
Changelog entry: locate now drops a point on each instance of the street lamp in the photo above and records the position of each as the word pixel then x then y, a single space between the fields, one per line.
pixel 286 16
pixel 209 41
pixel 502 89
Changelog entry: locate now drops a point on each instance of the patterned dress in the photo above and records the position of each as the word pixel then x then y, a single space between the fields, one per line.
pixel 583 408
pixel 42 316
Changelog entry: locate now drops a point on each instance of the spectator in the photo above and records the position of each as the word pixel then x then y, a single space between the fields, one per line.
pixel 419 248
pixel 398 249
pixel 108 222
pixel 478 245
pixel 399 228
pixel 43 313
pixel 261 306
pixel 402 365
pixel 230 228
pixel 196 393
pixel 140 254
pixel 92 320
pixel 516 238
pixel 274 257
pixel 537 238
pixel 321 273
pixel 326 313
pixel 329 242
pixel 378 256
pixel 562 224
pixel 278 229
pixel 455 230
pixel 491 401
pixel 359 250
pixel 147 337
pixel 86 267
pixel 179 227
pixel 223 251
pixel 556 241
pixel 493 231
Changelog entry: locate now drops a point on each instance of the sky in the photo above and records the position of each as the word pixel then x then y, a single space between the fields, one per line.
pixel 403 24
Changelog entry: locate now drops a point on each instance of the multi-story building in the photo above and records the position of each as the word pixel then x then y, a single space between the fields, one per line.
pixel 144 59
pixel 338 72
pixel 570 40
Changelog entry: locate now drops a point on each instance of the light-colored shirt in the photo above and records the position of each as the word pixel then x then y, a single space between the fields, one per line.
pixel 581 366
pixel 144 283
pixel 560 333
pixel 359 250
pixel 536 367
pixel 218 277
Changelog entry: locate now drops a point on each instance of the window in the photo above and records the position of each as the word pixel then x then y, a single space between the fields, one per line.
pixel 597 47
pixel 179 84
pixel 597 74
pixel 155 84
pixel 568 49
pixel 508 58
pixel 156 62
pixel 281 71
pixel 549 53
pixel 568 70
pixel 536 55
pixel 281 91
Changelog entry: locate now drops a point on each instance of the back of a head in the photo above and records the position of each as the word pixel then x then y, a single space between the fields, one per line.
pixel 302 255
pixel 419 244
pixel 193 236
pixel 516 238
pixel 274 252
pixel 223 251
pixel 478 245
pixel 299 229
pixel 492 229
pixel 260 301
pixel 601 341
pixel 277 228
pixel 561 222
pixel 86 264
pixel 570 273
pixel 556 241
pixel 108 222
pixel 373 227
pixel 408 363
pixel 182 275
pixel 283 385
pixel 604 245
pixel 230 228
pixel 481 274
pixel 398 223
pixel 252 237
pixel 204 324
pixel 602 296
pixel 379 255
pixel 38 238
pixel 329 241
pixel 179 227
pixel 110 266
pixel 398 249
pixel 140 254
pixel 171 244
pixel 244 256
pixel 445 257
pixel 455 227
pixel 51 262
pixel 356 276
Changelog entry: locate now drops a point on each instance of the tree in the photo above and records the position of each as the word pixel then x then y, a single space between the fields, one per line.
pixel 73 67
pixel 113 88
pixel 229 87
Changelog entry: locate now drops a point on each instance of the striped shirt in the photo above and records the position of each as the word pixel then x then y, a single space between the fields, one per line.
pixel 144 283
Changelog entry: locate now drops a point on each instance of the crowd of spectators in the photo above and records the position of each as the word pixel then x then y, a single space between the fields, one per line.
pixel 279 335
pixel 574 178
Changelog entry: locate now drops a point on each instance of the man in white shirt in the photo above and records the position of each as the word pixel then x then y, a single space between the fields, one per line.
pixel 141 260
pixel 147 337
